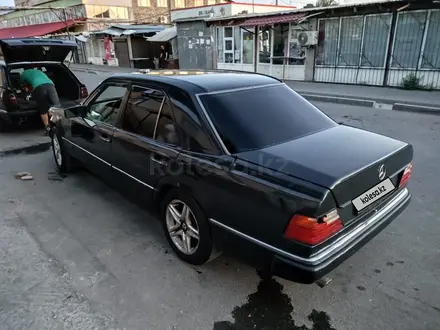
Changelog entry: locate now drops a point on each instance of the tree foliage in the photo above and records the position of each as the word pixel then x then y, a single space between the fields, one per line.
pixel 326 3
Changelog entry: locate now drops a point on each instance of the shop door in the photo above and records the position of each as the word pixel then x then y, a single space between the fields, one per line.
pixel 121 52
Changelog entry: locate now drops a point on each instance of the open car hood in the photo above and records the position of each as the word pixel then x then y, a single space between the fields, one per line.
pixel 35 50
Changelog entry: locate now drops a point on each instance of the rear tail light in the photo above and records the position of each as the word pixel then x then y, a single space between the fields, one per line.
pixel 312 231
pixel 406 175
pixel 13 100
pixel 84 92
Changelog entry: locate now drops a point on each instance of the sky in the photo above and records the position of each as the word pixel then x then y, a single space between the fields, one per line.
pixel 6 2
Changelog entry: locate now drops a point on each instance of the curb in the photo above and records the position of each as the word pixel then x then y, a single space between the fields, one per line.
pixel 29 149
pixel 416 108
pixel 370 103
pixel 86 71
pixel 337 99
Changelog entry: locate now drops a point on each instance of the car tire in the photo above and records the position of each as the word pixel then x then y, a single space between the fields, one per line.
pixel 196 251
pixel 63 160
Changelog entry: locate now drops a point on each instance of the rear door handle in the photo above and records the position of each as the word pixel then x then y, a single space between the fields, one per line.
pixel 105 137
pixel 159 160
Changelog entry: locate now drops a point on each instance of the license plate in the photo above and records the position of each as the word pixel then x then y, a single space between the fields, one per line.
pixel 374 194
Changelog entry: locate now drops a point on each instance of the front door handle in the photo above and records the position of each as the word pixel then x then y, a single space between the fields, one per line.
pixel 159 160
pixel 104 137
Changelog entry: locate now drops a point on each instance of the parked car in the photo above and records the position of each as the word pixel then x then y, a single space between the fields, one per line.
pixel 239 162
pixel 47 55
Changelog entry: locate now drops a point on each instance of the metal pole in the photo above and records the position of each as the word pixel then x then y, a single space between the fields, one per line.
pixel 65 22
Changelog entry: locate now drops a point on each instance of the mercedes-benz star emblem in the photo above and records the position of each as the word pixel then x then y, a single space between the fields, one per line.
pixel 382 172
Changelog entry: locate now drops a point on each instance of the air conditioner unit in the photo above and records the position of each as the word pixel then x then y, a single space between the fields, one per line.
pixel 308 38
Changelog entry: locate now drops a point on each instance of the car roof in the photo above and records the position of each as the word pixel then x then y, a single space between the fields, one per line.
pixel 202 81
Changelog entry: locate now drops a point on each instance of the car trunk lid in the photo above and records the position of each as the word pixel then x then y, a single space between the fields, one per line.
pixel 344 159
pixel 35 50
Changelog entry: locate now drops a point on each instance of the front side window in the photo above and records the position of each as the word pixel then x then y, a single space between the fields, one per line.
pixel 106 106
pixel 257 118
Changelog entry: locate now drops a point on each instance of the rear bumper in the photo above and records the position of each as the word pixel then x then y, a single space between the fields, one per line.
pixel 308 270
pixel 12 115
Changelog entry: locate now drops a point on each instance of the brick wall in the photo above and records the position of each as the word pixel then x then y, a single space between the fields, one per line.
pixel 144 15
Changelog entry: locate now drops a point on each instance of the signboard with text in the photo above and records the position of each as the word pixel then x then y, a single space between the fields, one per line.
pixel 202 12
pixel 224 10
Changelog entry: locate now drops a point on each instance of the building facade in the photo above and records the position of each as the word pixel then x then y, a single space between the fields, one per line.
pixel 89 14
pixel 382 44
pixel 196 41
pixel 158 11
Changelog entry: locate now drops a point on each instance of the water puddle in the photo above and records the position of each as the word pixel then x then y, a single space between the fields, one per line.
pixel 270 309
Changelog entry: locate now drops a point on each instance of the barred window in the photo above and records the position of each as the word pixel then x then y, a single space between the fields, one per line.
pixel 408 39
pixel 430 57
pixel 351 40
pixel 376 37
pixel 327 42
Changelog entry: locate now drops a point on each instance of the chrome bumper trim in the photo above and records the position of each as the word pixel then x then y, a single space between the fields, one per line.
pixel 336 246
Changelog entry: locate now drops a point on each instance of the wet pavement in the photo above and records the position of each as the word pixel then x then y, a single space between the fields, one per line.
pixel 76 237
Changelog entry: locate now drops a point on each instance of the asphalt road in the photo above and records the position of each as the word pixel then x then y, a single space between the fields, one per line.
pixel 75 254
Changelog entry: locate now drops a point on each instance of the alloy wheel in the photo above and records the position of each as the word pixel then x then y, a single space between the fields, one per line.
pixel 182 227
pixel 57 151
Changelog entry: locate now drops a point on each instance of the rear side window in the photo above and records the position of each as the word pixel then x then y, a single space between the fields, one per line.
pixel 256 118
pixel 142 109
pixel 193 134
pixel 142 117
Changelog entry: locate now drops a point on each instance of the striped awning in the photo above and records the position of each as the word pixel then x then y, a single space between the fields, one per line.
pixel 269 20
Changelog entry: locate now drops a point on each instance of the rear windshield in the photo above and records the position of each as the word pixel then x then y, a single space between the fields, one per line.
pixel 256 118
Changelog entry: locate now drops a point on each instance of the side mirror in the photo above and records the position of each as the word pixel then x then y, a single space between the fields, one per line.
pixel 78 111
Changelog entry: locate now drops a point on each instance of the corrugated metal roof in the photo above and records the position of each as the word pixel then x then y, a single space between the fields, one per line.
pixel 308 10
pixel 140 27
pixel 164 35
pixel 119 30
pixel 111 30
pixel 141 31
pixel 254 21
